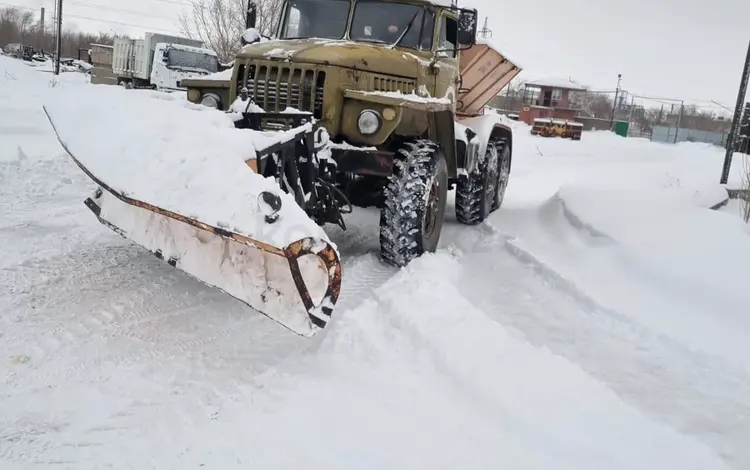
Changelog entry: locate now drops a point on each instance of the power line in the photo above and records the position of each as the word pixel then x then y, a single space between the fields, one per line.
pixel 123 23
pixel 188 4
pixel 127 12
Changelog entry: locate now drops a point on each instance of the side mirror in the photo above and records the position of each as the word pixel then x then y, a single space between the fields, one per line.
pixel 467 27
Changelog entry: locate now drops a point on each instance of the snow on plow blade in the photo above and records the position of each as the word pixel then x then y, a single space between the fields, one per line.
pixel 296 284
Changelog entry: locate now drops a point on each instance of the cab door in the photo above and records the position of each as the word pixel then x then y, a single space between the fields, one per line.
pixel 446 57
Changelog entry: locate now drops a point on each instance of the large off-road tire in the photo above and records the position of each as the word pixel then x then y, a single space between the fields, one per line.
pixel 503 156
pixel 414 202
pixel 481 193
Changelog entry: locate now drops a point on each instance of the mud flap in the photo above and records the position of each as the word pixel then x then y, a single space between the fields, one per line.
pixel 297 285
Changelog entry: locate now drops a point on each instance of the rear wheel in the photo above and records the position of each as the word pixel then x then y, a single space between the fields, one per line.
pixel 476 193
pixel 414 203
pixel 503 161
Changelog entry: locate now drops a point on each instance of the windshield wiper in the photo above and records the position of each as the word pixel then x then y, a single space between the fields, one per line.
pixel 408 27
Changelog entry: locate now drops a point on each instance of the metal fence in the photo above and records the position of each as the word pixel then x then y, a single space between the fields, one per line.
pixel 674 135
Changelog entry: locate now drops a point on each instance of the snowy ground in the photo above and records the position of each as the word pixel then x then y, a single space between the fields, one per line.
pixel 596 321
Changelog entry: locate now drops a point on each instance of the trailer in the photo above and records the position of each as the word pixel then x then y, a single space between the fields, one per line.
pixel 161 61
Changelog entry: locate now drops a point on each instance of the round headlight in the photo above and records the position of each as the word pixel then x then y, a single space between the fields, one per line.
pixel 193 95
pixel 211 101
pixel 368 122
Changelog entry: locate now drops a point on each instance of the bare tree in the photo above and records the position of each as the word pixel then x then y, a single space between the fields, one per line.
pixel 597 105
pixel 220 23
pixel 23 27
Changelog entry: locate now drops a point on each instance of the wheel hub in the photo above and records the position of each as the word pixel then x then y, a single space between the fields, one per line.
pixel 431 208
pixel 504 171
pixel 492 180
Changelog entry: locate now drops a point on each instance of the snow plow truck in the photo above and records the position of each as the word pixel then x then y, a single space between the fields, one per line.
pixel 380 103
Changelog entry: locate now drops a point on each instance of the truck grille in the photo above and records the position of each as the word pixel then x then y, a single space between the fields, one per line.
pixel 392 84
pixel 275 88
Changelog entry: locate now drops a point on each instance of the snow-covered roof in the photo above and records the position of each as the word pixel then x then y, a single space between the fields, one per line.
pixel 556 82
pixel 186 48
pixel 440 3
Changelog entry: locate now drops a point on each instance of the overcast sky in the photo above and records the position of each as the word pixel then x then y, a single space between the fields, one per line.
pixel 679 49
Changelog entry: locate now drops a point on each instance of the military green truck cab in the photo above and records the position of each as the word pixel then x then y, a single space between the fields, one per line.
pixel 401 106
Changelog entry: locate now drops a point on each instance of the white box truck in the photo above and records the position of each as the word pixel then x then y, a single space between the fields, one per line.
pixel 161 61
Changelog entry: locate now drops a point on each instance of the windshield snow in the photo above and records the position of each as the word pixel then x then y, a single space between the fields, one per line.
pixel 374 21
pixel 194 61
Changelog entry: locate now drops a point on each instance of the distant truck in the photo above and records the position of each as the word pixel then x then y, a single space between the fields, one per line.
pixel 161 61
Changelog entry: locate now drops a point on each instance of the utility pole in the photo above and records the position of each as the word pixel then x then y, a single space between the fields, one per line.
pixel 679 120
pixel 58 46
pixel 736 119
pixel 614 104
pixel 40 43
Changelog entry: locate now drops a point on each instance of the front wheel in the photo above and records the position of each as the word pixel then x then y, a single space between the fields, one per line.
pixel 415 195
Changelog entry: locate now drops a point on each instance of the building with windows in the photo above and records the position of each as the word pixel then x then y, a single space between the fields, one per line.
pixel 548 98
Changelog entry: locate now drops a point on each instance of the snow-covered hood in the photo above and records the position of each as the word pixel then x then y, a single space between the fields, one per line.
pixel 352 55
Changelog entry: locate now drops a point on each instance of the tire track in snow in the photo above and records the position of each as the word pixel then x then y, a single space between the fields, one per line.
pixel 362 269
pixel 159 348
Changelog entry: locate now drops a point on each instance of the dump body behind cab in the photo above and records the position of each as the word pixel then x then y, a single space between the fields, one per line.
pixel 134 57
pixel 485 71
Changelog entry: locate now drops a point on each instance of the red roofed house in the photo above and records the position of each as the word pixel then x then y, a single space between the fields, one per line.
pixel 548 98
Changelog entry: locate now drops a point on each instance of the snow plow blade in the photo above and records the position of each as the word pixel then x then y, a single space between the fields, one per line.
pixel 296 285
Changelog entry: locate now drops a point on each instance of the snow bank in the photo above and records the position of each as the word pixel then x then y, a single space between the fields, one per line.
pixel 182 157
pixel 602 160
pixel 422 379
pixel 14 70
pixel 697 253
pixel 224 75
pixel 25 134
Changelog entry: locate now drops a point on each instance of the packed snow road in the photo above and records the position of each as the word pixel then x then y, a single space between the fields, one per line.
pixel 497 351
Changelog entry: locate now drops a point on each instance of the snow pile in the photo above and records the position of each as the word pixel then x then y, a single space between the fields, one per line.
pixel 604 160
pixel 25 134
pixel 178 156
pixel 12 70
pixel 253 35
pixel 694 253
pixel 406 97
pixel 224 75
pixel 417 377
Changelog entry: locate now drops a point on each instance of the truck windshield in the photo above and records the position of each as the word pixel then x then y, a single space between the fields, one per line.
pixel 191 61
pixel 381 22
pixel 315 19
pixel 374 21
